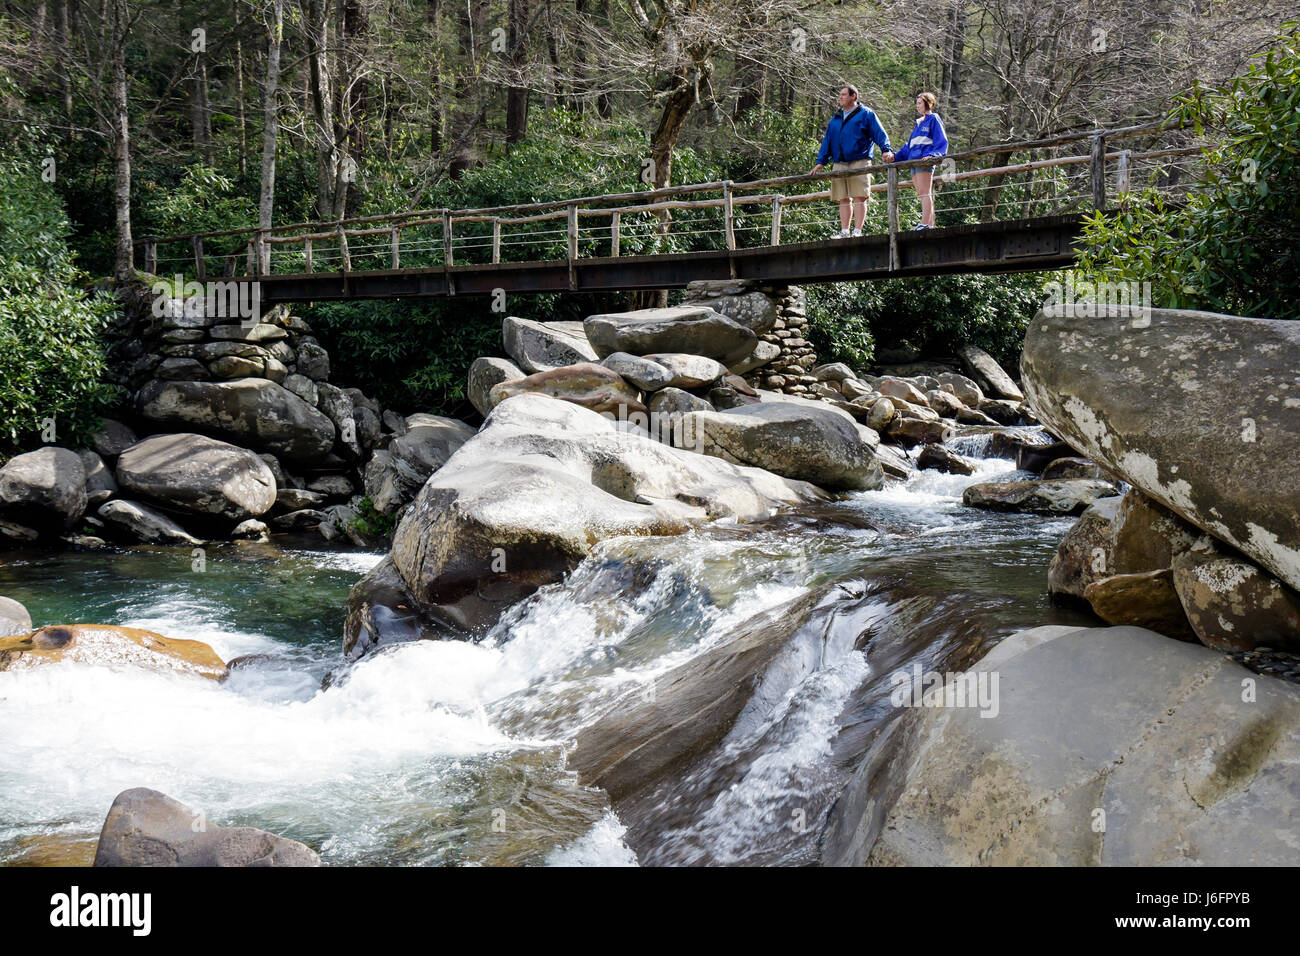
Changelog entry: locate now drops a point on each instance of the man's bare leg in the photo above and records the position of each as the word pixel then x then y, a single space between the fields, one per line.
pixel 860 212
pixel 844 214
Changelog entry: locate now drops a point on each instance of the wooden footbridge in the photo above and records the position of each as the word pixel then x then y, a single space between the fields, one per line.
pixel 1005 217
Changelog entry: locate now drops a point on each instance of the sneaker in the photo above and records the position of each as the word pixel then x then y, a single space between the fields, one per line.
pixel 842 234
pixel 857 233
pixel 921 225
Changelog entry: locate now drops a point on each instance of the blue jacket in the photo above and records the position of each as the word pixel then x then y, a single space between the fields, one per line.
pixel 927 139
pixel 850 137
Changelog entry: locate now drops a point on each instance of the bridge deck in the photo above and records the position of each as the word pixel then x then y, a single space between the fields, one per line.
pixel 1024 245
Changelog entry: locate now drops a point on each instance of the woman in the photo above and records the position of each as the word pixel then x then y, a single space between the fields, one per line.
pixel 927 140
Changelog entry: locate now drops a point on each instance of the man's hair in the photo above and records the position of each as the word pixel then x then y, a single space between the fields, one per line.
pixel 929 99
pixel 853 90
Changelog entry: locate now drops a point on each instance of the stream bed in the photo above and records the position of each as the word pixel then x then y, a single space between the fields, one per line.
pixel 452 752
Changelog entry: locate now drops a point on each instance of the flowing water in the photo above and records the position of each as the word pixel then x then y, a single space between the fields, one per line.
pixel 454 752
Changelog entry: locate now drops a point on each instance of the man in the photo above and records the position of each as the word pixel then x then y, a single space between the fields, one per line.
pixel 849 137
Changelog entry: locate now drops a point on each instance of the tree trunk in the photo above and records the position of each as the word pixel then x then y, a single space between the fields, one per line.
pixel 517 92
pixel 239 94
pixel 124 253
pixel 271 114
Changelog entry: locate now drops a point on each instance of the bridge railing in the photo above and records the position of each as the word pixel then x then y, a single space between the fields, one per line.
pixel 1024 180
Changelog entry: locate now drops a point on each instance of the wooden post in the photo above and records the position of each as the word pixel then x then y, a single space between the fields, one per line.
pixel 446 238
pixel 200 266
pixel 496 239
pixel 728 216
pixel 1098 168
pixel 776 221
pixel 345 258
pixel 396 242
pixel 1122 174
pixel 615 228
pixel 263 254
pixel 306 252
pixel 891 195
pixel 151 257
pixel 252 259
pixel 573 245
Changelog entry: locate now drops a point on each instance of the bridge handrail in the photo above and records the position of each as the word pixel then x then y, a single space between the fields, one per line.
pixel 485 213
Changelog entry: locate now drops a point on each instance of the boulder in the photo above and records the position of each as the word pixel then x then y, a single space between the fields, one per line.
pixel 688 371
pixel 1084 554
pixel 917 431
pixel 382 612
pixel 14 618
pixel 833 372
pixel 1233 605
pixel 1111 746
pixel 883 413
pixel 542 346
pixel 484 373
pixel 990 376
pixel 148 828
pixel 303 387
pixel 1143 394
pixel 943 402
pixel 294 499
pixel 100 484
pixel 1070 497
pixel 485 531
pixel 1071 467
pixel 332 486
pixel 967 390
pixel 736 299
pixel 112 438
pixel 337 406
pixel 852 389
pixel 971 416
pixel 304 519
pixel 892 387
pixel 1143 599
pixel 1002 411
pixel 941 458
pixel 251 530
pixel 643 373
pixel 425 447
pixel 1148 536
pixel 135 522
pixel 251 412
pixel 693 329
pixel 313 360
pixel 113 646
pixel 199 475
pixel 45 488
pixel 763 354
pixel 812 443
pixel 589 385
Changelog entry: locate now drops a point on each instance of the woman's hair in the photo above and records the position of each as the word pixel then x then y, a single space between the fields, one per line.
pixel 929 100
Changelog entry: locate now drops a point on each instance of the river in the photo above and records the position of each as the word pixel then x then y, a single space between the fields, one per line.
pixel 455 753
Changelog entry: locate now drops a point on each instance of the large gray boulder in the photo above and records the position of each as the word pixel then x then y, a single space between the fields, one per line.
pixel 1200 411
pixel 251 412
pixel 988 374
pixel 1069 496
pixel 148 828
pixel 809 443
pixel 137 523
pixel 100 484
pixel 396 475
pixel 529 496
pixel 587 384
pixel 45 489
pixel 1104 746
pixel 693 329
pixel 485 372
pixel 199 475
pixel 737 299
pixel 542 346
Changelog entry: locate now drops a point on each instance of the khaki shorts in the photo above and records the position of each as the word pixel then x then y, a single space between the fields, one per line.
pixel 852 187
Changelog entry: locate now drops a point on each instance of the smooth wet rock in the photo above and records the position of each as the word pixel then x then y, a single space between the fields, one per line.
pixel 112 646
pixel 588 385
pixel 148 828
pixel 1199 411
pixel 917 431
pixel 139 523
pixel 806 443
pixel 1235 606
pixel 199 475
pixel 1002 411
pixel 484 373
pixel 941 458
pixel 991 377
pixel 526 499
pixel 1153 733
pixel 44 489
pixel 1071 467
pixel 292 499
pixel 1143 599
pixel 428 442
pixel 1033 457
pixel 382 612
pixel 14 618
pixel 1070 497
pixel 252 413
pixel 693 329
pixel 542 346
pixel 251 530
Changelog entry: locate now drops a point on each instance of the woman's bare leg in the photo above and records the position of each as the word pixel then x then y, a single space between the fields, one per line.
pixel 844 214
pixel 921 183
